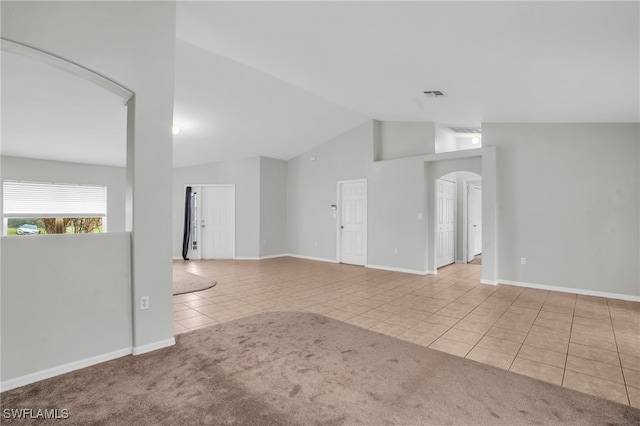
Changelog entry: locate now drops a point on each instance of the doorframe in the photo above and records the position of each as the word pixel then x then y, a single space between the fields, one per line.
pixel 339 218
pixel 235 227
pixel 465 215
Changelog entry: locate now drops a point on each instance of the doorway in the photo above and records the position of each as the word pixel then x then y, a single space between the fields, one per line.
pixel 352 222
pixel 213 233
pixel 458 218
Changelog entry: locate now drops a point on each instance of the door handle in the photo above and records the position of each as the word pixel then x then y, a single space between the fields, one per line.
pixel 341 227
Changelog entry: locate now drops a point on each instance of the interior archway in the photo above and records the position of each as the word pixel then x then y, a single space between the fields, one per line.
pixel 483 163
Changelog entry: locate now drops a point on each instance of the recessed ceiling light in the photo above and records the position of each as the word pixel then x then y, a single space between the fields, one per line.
pixel 475 140
pixel 175 129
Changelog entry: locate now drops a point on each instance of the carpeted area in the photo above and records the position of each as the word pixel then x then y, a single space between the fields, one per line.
pixel 285 368
pixel 186 282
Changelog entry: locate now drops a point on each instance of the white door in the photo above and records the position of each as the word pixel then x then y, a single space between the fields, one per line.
pixel 446 221
pixel 353 222
pixel 474 232
pixel 218 222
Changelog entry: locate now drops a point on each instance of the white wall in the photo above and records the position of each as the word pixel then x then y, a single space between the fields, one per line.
pixel 312 187
pixel 463 143
pixel 65 299
pixel 568 201
pixel 398 193
pixel 273 207
pixel 131 43
pixel 401 139
pixel 396 198
pixel 114 178
pixel 245 174
pixel 445 139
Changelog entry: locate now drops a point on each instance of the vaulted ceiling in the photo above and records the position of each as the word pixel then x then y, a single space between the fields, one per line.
pixel 278 78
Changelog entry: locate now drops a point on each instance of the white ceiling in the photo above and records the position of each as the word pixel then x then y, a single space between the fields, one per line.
pixel 277 78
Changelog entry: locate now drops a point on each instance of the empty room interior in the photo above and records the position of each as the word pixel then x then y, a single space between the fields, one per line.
pixel 320 212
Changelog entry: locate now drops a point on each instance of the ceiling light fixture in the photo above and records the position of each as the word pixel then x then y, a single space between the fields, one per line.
pixel 175 129
pixel 475 140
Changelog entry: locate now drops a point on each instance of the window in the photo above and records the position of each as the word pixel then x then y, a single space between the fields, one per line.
pixel 51 208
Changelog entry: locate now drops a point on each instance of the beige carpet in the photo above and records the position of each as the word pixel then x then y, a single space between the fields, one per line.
pixel 306 369
pixel 186 282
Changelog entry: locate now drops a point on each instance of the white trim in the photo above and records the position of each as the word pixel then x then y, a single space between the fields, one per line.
pixel 394 269
pixel 62 369
pixel 456 155
pixel 572 290
pixel 68 66
pixel 139 350
pixel 272 256
pixel 489 282
pixel 320 259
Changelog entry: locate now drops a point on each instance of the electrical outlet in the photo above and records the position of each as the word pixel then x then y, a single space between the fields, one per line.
pixel 523 260
pixel 315 243
pixel 395 251
pixel 144 302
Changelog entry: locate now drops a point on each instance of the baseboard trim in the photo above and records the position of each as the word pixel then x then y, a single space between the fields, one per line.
pixel 394 269
pixel 319 259
pixel 62 369
pixel 489 282
pixel 572 290
pixel 272 256
pixel 139 350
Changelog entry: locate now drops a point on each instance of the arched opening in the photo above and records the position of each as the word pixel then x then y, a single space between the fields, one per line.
pixel 475 169
pixel 81 313
pixel 64 137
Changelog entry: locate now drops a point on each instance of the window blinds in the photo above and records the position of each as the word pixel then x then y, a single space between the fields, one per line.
pixel 31 199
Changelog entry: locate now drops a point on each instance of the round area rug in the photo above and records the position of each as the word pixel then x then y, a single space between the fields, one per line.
pixel 186 282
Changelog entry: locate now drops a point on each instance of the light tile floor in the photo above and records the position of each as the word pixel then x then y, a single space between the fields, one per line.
pixel 591 344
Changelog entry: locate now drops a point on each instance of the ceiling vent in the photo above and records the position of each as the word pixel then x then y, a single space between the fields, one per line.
pixel 474 130
pixel 434 93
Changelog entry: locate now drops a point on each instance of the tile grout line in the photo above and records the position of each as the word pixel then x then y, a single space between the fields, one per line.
pixel 525 337
pixel 615 339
